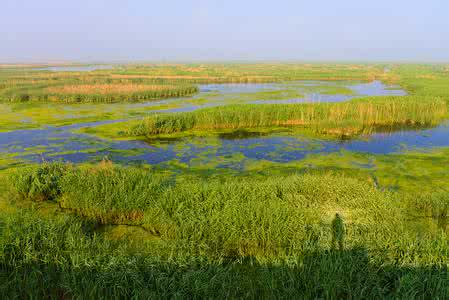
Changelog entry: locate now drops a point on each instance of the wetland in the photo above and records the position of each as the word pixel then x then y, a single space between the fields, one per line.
pixel 322 180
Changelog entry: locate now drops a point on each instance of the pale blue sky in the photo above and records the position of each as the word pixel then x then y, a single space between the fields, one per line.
pixel 92 30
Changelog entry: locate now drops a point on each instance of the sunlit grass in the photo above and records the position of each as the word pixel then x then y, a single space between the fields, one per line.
pixel 105 89
pixel 353 117
pixel 242 235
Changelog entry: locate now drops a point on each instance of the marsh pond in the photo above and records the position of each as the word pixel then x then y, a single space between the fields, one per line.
pixel 234 150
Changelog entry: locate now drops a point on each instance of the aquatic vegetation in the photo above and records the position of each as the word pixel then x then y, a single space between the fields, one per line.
pixel 105 89
pixel 324 88
pixel 352 117
pixel 37 115
pixel 417 172
pixel 113 130
pixel 74 95
pixel 145 82
pixel 195 219
pixel 96 93
pixel 268 95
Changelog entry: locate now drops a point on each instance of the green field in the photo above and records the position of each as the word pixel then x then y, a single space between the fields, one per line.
pixel 226 223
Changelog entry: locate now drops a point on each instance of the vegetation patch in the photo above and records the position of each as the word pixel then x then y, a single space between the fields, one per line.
pixel 349 118
pixel 97 93
pixel 239 234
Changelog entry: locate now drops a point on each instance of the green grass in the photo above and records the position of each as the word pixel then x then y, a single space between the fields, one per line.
pixel 335 88
pixel 87 266
pixel 228 237
pixel 268 95
pixel 422 80
pixel 352 117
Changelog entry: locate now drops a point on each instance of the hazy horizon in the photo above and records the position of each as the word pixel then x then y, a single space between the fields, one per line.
pixel 202 31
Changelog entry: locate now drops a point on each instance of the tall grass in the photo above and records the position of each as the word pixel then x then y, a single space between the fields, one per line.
pixel 110 92
pixel 40 184
pixel 240 215
pixel 362 115
pixel 228 238
pixel 57 258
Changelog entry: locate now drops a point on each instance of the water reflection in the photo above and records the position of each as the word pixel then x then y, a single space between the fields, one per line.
pixel 53 144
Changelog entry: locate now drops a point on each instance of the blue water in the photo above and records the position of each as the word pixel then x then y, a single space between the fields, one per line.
pixel 361 89
pixel 63 143
pixel 75 68
pixel 280 147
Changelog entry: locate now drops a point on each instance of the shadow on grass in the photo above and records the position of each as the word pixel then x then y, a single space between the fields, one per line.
pixel 328 274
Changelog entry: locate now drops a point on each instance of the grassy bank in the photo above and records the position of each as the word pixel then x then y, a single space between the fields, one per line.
pixel 230 237
pixel 352 117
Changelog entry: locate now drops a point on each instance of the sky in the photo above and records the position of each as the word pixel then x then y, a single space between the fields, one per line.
pixel 200 30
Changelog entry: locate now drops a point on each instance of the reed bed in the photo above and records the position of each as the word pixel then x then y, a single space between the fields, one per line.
pixel 111 193
pixel 104 92
pixel 353 117
pixel 105 89
pixel 244 237
pixel 28 84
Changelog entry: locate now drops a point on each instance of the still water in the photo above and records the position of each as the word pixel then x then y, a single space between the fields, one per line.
pixel 228 150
